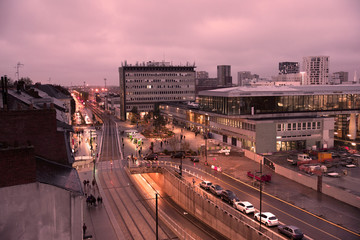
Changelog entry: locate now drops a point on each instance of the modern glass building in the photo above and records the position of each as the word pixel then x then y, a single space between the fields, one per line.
pixel 271 119
pixel 274 100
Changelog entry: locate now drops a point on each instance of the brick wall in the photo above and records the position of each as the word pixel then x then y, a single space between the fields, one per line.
pixel 37 128
pixel 17 166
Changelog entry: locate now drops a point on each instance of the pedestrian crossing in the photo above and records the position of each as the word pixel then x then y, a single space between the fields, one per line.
pixel 106 165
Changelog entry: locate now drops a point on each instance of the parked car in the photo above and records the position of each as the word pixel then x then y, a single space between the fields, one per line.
pixel 151 156
pixel 291 231
pixel 244 207
pixel 224 150
pixel 194 159
pixel 216 189
pixel 267 218
pixel 178 155
pixel 228 196
pixel 205 185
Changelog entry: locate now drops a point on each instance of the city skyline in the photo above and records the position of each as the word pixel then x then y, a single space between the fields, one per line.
pixel 69 42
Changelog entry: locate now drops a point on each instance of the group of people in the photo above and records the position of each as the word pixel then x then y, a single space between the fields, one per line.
pixel 91 200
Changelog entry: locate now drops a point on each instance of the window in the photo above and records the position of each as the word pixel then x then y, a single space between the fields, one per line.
pixel 299 126
pixel 303 126
pixel 289 127
pixel 309 125
pixel 294 127
pixel 313 125
pixel 318 125
pixel 278 127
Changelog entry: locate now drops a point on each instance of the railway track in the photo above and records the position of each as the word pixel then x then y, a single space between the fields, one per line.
pixel 133 214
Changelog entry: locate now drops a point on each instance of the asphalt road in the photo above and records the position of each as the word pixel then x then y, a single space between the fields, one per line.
pixel 312 225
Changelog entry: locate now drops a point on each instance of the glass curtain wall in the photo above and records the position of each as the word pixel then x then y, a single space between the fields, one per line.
pixel 279 104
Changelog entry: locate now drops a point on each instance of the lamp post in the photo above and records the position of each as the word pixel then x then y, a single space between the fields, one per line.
pixel 91 152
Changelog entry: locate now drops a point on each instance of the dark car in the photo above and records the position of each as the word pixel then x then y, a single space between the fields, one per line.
pixel 178 155
pixel 151 156
pixel 291 231
pixel 228 196
pixel 194 159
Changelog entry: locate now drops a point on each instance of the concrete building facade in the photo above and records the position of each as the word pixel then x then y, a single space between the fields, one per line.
pixel 289 67
pixel 224 75
pixel 143 86
pixel 316 70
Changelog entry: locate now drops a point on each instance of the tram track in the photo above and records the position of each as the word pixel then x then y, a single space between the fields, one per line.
pixel 133 214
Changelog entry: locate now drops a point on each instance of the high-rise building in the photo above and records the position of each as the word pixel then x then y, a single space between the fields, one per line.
pixel 316 70
pixel 245 76
pixel 339 77
pixel 202 75
pixel 224 75
pixel 288 67
pixel 144 85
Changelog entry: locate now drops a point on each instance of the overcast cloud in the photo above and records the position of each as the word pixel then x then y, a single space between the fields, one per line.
pixel 72 41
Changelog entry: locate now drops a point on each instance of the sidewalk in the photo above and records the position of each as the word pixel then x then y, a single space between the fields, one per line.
pixel 95 217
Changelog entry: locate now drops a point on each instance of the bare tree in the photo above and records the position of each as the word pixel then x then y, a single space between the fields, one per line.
pixel 185 146
pixel 173 143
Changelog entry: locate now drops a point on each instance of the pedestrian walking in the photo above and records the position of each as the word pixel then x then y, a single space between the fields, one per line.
pixel 93 182
pixel 84 183
pixel 84 229
pixel 193 181
pixel 161 143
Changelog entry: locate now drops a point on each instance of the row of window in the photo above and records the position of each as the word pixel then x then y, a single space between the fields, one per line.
pixel 158 74
pixel 278 104
pixel 158 80
pixel 296 136
pixel 159 98
pixel 160 93
pixel 233 123
pixel 141 107
pixel 281 127
pixel 157 86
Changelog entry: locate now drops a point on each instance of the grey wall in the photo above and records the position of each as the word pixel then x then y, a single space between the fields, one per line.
pixel 57 214
pixel 265 137
pixel 205 210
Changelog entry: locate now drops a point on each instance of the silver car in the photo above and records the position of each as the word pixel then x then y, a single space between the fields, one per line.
pixel 205 185
pixel 216 189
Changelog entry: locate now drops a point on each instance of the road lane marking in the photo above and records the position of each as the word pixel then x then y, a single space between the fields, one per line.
pixel 292 205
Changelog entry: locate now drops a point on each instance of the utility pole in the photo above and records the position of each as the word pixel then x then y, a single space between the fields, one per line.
pixel 91 152
pixel 106 103
pixel 157 218
pixel 18 65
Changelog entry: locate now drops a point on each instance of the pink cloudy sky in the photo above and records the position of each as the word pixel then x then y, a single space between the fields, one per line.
pixel 72 41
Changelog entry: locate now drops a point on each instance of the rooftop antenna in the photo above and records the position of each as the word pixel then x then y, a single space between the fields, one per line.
pixel 18 65
pixel 105 83
pixel 84 85
pixel 49 80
